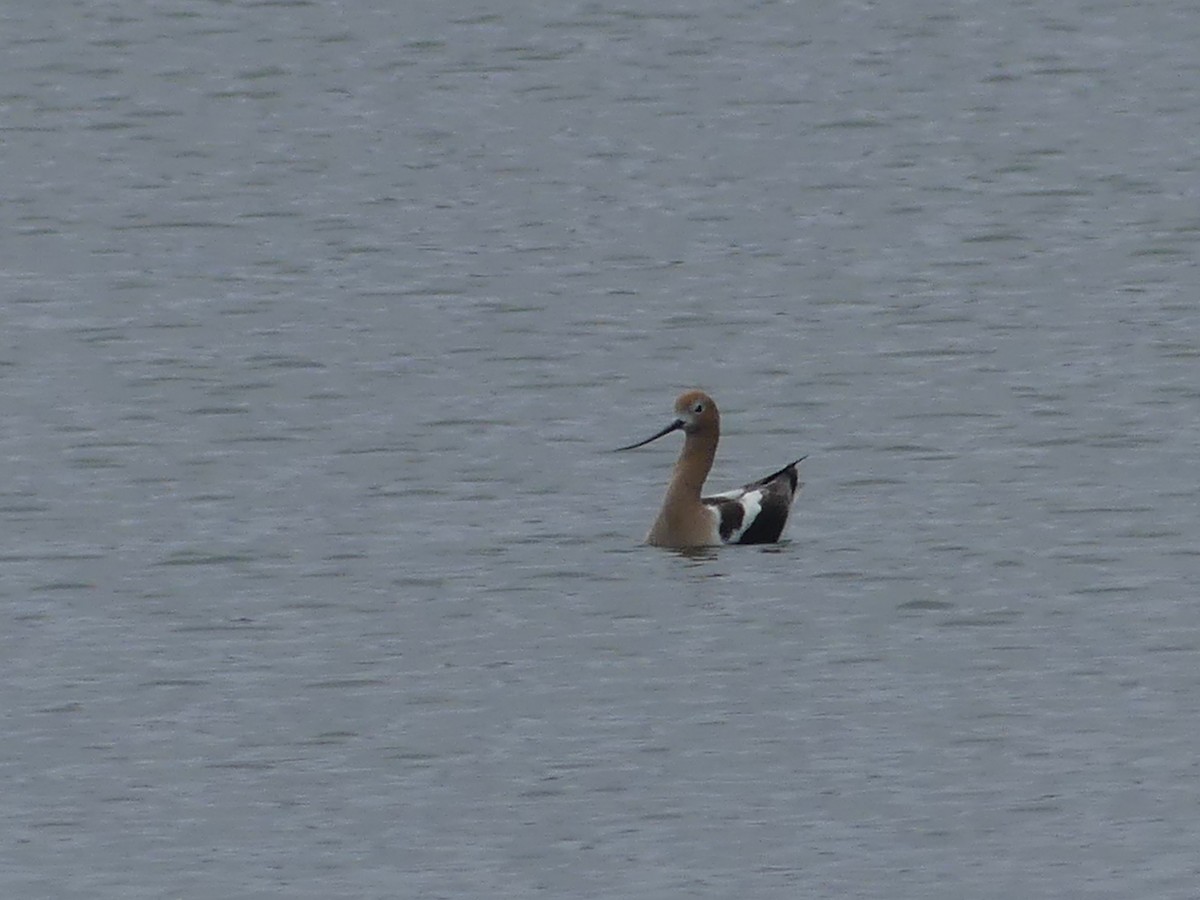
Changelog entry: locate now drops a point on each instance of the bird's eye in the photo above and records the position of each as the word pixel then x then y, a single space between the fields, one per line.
pixel 698 408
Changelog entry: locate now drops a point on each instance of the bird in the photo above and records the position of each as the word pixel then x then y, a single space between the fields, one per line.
pixel 753 514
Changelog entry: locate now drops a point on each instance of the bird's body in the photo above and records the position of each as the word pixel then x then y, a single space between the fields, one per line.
pixel 754 514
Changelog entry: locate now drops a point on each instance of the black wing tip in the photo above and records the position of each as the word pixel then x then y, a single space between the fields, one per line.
pixel 789 470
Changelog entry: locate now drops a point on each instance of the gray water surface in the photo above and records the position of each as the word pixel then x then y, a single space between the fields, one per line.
pixel 317 579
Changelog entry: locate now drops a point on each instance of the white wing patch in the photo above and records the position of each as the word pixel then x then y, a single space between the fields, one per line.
pixel 751 503
pixel 727 495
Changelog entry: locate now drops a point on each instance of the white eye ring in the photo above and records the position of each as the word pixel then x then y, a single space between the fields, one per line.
pixel 698 408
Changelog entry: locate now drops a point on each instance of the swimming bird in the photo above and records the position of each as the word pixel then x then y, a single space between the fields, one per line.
pixel 754 514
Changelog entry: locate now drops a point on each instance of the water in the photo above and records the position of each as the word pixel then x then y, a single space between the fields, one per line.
pixel 317 580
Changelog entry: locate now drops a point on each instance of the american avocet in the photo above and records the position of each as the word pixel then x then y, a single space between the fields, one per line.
pixel 754 514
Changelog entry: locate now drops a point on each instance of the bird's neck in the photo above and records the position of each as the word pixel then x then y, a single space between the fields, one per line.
pixel 692 468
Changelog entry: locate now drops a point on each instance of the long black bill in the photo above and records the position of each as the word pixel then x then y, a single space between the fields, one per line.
pixel 674 426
